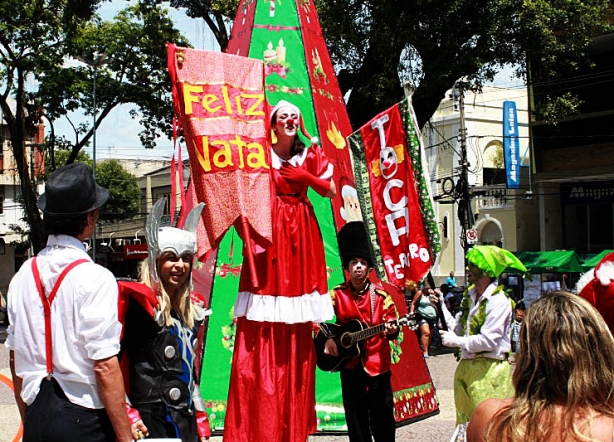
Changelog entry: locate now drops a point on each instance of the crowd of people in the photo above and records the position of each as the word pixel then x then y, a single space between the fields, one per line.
pixel 95 359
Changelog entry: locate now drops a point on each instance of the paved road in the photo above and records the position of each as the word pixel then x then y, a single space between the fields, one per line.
pixel 434 429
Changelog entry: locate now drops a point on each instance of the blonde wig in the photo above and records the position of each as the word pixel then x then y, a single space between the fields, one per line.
pixel 564 375
pixel 180 304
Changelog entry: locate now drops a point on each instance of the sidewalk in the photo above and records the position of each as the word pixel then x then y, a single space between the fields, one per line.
pixel 9 416
pixel 438 428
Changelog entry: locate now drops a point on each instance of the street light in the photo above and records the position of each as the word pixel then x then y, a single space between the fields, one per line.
pixel 98 60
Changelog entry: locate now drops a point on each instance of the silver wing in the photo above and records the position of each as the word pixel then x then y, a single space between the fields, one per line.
pixel 152 226
pixel 191 221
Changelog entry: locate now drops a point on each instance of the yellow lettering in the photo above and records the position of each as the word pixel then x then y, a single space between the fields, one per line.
pixel 218 154
pixel 253 110
pixel 239 108
pixel 256 158
pixel 240 146
pixel 189 98
pixel 223 157
pixel 208 100
pixel 226 100
pixel 204 158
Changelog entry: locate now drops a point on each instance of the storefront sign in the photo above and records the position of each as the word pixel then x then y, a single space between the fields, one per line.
pixel 584 193
pixel 135 251
pixel 511 148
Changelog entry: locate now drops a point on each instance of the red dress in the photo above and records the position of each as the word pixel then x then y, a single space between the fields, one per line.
pixel 272 385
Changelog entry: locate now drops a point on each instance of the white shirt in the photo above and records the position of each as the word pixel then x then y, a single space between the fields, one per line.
pixel 493 340
pixel 84 322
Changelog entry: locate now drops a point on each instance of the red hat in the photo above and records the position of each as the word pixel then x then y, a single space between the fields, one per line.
pixel 599 290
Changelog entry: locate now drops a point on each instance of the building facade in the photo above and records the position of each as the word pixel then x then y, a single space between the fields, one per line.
pixel 574 158
pixel 498 215
pixel 13 244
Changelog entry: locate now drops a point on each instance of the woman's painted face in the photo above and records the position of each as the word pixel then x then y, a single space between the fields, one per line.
pixel 174 270
pixel 286 121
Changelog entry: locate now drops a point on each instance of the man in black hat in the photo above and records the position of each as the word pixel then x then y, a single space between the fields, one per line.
pixel 64 332
pixel 365 380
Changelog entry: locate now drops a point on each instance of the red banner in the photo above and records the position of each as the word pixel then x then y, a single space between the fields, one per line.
pixel 219 99
pixel 397 216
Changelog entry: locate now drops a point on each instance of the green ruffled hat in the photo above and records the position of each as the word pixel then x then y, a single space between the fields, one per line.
pixel 493 260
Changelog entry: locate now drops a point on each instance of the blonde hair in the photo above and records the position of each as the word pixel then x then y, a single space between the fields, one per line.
pixel 564 372
pixel 182 304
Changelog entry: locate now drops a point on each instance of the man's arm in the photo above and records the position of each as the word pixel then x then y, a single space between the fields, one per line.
pixel 111 388
pixel 17 383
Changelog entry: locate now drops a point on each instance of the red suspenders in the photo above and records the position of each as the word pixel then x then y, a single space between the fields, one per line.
pixel 47 303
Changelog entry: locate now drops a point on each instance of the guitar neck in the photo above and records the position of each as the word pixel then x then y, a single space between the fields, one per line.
pixel 367 333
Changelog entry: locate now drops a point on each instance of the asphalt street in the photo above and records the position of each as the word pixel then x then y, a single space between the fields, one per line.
pixel 438 428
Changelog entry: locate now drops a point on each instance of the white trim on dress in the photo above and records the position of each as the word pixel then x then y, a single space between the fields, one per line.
pixel 311 307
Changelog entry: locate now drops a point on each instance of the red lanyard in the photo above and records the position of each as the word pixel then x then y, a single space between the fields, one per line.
pixel 47 303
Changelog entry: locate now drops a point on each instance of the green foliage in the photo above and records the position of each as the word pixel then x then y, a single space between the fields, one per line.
pixel 430 45
pixel 61 159
pixel 32 39
pixel 39 40
pixel 125 195
pixel 552 108
pixel 218 14
pixel 132 72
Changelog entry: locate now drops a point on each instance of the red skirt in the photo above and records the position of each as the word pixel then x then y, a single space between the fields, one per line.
pixel 272 384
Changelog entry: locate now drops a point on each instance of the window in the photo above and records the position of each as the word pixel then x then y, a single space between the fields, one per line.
pixel 588 227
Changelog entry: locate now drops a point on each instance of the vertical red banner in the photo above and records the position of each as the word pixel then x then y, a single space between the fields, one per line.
pixel 403 241
pixel 221 106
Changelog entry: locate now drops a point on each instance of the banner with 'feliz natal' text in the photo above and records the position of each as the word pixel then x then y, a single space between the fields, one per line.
pixel 220 101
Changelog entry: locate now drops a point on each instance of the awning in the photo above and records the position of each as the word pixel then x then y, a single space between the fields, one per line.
pixel 591 263
pixel 558 261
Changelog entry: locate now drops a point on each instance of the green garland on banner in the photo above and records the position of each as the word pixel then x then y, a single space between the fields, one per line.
pixel 414 145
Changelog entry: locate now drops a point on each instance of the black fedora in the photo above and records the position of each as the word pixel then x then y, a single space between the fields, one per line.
pixel 71 191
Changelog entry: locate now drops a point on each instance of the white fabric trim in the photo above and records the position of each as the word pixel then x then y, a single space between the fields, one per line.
pixel 605 273
pixel 296 160
pixel 328 173
pixel 312 307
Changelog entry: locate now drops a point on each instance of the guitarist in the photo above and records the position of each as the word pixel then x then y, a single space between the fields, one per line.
pixel 365 381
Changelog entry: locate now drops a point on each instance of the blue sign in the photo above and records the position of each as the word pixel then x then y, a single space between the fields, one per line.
pixel 511 145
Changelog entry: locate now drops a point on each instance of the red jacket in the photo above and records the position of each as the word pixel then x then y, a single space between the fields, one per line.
pixel 375 356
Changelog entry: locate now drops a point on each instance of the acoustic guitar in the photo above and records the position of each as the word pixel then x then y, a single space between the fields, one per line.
pixel 348 337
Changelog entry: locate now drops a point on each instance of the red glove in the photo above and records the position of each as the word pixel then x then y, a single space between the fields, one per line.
pixel 202 424
pixel 299 175
pixel 133 414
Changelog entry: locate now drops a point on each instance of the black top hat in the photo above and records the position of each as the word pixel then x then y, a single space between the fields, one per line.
pixel 354 243
pixel 71 191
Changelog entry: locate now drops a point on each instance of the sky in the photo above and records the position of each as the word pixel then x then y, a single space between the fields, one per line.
pixel 117 136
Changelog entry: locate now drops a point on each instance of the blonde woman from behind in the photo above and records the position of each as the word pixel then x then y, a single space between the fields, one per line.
pixel 564 378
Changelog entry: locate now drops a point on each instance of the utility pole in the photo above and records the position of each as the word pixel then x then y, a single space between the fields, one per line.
pixel 464 210
pixel 95 62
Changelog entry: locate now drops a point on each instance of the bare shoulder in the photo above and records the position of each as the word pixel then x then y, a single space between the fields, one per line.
pixel 602 428
pixel 482 415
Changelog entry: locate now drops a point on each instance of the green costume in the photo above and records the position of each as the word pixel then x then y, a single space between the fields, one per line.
pixel 481 330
